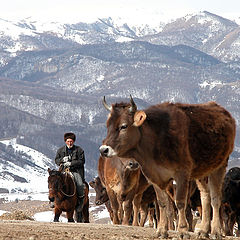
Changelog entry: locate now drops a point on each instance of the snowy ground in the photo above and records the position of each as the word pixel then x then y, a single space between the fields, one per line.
pixel 47 216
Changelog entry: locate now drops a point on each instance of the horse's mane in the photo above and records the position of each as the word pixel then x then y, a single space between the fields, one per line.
pixel 54 172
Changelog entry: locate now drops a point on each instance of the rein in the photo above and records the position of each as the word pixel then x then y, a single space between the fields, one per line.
pixel 74 192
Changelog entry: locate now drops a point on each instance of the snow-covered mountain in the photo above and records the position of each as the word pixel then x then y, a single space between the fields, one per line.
pixel 207 32
pixel 53 77
pixel 29 174
pixel 29 35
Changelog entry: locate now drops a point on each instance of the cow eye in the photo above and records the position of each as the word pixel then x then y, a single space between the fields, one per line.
pixel 124 126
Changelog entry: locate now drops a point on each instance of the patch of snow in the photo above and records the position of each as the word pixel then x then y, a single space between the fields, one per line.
pixel 47 216
pixel 2 212
pixel 211 85
pixel 101 214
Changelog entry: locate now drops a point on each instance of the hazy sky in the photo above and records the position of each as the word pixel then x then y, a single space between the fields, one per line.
pixel 78 10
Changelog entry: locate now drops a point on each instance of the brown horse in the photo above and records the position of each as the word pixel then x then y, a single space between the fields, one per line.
pixel 62 191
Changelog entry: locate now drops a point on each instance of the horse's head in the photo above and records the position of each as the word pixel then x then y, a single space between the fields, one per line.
pixel 55 183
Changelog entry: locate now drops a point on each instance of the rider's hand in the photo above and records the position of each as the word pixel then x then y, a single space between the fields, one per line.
pixel 65 159
pixel 67 164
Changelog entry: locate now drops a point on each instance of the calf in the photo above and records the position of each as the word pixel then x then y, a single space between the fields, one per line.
pixel 121 179
pixel 101 195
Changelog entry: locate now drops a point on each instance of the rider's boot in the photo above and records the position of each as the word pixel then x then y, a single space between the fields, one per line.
pixel 80 203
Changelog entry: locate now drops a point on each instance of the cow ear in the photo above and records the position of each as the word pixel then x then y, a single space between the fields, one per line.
pixel 238 184
pixel 235 183
pixel 139 118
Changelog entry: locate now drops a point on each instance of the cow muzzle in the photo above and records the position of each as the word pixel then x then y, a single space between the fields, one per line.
pixel 133 165
pixel 107 151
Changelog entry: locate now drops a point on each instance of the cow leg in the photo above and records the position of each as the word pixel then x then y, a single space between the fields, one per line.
pixel 136 206
pixel 215 184
pixel 182 188
pixel 230 223
pixel 238 226
pixel 127 211
pixel 162 199
pixel 114 205
pixel 143 214
pixel 109 208
pixel 171 214
pixel 157 212
pixel 120 211
pixel 189 218
pixel 205 201
pixel 151 217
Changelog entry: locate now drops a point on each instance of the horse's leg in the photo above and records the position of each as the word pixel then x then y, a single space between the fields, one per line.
pixel 70 215
pixel 57 214
pixel 85 212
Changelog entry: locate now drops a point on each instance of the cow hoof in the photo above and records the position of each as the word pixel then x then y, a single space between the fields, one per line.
pixel 162 234
pixel 216 236
pixel 184 236
pixel 202 235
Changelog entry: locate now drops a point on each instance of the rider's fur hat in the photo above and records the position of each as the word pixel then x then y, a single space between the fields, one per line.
pixel 69 135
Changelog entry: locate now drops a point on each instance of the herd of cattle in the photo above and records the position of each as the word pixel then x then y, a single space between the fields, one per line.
pixel 165 162
pixel 140 198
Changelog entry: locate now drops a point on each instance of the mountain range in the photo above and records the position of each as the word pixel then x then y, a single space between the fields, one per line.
pixel 53 78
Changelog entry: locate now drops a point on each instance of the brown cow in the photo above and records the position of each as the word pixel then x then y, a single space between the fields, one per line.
pixel 175 141
pixel 121 178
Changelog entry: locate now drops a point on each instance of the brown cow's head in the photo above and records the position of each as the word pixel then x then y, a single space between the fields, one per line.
pixel 122 129
pixel 129 164
pixel 129 176
pixel 101 193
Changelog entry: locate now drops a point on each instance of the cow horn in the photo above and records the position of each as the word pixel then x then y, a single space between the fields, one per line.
pixel 109 108
pixel 133 107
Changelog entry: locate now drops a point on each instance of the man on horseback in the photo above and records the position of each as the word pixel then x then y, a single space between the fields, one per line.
pixel 72 157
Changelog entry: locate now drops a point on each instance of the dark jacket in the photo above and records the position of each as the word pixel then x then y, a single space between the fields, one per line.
pixel 76 157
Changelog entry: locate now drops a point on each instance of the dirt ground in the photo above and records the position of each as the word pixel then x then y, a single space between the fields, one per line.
pixel 33 230
pixel 26 228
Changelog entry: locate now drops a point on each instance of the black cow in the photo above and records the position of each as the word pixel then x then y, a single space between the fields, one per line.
pixel 231 201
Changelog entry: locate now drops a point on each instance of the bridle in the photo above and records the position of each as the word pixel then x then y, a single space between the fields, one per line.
pixel 65 194
pixel 74 192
